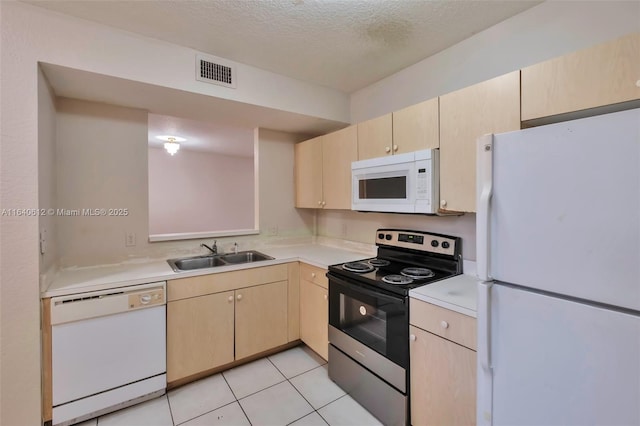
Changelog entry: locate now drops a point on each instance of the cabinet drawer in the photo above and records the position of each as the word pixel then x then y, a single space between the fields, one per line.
pixel 314 274
pixel 223 281
pixel 451 325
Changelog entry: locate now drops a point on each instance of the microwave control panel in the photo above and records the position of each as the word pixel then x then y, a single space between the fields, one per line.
pixel 423 180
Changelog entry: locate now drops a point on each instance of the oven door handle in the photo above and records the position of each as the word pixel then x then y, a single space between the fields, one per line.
pixel 358 289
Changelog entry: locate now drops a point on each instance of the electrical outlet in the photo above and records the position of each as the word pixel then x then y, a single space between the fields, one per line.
pixel 43 240
pixel 130 239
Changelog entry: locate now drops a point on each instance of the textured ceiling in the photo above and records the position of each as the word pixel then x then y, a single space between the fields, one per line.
pixel 344 44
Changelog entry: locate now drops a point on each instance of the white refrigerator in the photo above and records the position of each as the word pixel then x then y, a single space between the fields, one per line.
pixel 558 257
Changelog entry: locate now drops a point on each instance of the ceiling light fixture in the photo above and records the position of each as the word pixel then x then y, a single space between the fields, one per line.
pixel 171 145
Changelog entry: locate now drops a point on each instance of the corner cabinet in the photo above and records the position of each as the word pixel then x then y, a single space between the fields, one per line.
pixel 314 309
pixel 443 366
pixel 308 173
pixel 492 106
pixel 216 319
pixel 598 76
pixel 323 170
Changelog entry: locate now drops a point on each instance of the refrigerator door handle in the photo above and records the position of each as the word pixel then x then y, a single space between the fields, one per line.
pixel 484 413
pixel 484 189
pixel 484 324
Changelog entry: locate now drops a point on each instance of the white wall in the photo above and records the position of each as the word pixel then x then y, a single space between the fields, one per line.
pixel 47 174
pixel 550 29
pixel 101 157
pixel 195 191
pixel 278 216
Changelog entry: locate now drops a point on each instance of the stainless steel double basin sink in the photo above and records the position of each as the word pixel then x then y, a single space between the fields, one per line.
pixel 211 261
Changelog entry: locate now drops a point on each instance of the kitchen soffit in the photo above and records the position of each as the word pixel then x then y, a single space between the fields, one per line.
pixel 343 44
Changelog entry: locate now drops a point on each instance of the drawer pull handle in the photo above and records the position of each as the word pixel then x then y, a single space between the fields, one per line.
pixel 313 275
pixel 239 297
pixel 444 324
pixel 325 297
pixel 412 337
pixel 230 299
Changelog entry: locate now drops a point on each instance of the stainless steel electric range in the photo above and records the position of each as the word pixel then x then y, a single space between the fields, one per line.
pixel 369 316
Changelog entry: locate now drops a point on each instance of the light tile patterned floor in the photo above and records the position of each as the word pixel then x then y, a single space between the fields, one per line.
pixel 288 388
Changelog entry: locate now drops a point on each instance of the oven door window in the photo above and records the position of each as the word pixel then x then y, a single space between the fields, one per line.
pixel 364 322
pixel 376 320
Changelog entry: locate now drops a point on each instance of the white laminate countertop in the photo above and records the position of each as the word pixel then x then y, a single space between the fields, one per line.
pixel 458 294
pixel 104 277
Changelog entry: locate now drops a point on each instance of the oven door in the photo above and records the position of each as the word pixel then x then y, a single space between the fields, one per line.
pixel 375 319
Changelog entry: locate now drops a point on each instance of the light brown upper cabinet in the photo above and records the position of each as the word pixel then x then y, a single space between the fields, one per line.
pixel 375 137
pixel 323 170
pixel 308 172
pixel 492 106
pixel 416 127
pixel 601 75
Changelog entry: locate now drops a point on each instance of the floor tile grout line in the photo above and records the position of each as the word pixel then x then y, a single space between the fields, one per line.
pixel 166 395
pixel 306 371
pixel 204 414
pixel 258 391
pixel 237 400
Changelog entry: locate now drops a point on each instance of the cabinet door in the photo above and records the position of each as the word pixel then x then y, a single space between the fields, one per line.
pixel 602 75
pixel 339 149
pixel 443 381
pixel 314 317
pixel 199 334
pixel 261 318
pixel 308 172
pixel 492 106
pixel 416 127
pixel 375 137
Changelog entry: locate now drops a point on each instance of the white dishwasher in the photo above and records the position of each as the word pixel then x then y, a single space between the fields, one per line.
pixel 108 350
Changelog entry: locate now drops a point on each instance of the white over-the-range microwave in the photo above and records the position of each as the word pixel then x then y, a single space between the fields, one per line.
pixel 402 183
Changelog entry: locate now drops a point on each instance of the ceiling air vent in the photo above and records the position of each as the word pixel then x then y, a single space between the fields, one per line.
pixel 216 71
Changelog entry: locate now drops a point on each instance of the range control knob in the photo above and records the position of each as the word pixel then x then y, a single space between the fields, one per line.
pixel 387 237
pixel 434 243
pixel 380 236
pixel 445 244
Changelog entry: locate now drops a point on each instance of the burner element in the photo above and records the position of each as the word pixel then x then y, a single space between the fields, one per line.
pixel 359 267
pixel 379 263
pixel 397 280
pixel 417 273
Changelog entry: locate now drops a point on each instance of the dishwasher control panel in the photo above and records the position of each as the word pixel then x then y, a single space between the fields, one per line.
pixel 146 298
pixel 76 307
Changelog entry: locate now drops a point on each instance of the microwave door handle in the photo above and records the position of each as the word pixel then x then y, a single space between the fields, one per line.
pixel 358 289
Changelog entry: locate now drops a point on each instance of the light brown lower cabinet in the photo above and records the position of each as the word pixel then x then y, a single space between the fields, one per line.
pixel 199 334
pixel 314 317
pixel 443 381
pixel 261 318
pixel 214 320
